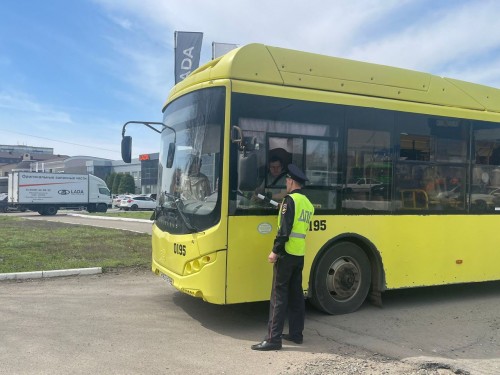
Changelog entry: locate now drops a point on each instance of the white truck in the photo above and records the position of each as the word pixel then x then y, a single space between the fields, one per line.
pixel 46 193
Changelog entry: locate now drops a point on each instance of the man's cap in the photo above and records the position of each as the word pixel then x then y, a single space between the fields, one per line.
pixel 296 174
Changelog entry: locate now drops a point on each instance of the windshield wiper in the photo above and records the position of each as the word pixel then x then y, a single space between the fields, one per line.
pixel 178 202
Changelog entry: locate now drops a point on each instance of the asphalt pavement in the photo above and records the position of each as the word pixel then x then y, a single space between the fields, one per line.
pixel 131 322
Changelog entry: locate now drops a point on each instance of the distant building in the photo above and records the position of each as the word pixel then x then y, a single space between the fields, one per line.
pixel 11 161
pixel 106 167
pixel 73 164
pixel 144 169
pixel 21 149
pixel 149 172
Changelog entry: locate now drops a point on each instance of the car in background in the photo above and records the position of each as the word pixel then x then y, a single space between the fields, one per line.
pixel 152 195
pixel 118 198
pixel 137 202
pixel 361 185
pixel 4 204
pixel 482 198
pixel 381 191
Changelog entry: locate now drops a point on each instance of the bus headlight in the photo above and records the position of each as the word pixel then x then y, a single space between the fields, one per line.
pixel 196 265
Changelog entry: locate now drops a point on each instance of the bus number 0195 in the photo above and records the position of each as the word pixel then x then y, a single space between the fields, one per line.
pixel 179 249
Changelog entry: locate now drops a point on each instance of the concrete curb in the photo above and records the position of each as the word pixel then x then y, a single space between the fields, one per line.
pixel 53 273
pixel 111 218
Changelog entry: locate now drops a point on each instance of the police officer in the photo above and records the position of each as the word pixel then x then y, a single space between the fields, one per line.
pixel 288 258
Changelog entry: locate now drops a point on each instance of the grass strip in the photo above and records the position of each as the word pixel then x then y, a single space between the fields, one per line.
pixel 32 245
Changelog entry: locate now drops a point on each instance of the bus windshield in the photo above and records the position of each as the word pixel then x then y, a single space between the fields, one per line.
pixel 189 198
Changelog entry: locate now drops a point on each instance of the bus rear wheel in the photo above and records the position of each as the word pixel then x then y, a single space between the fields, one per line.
pixel 341 279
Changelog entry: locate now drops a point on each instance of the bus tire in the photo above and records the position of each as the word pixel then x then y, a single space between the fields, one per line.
pixel 341 279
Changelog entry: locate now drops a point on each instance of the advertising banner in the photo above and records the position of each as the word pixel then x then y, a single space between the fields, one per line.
pixel 219 49
pixel 52 188
pixel 187 53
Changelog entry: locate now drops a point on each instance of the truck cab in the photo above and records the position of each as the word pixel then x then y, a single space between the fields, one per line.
pixel 99 193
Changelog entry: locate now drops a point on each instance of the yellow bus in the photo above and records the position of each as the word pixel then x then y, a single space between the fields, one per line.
pixel 431 220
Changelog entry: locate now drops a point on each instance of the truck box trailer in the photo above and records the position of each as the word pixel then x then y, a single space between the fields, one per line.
pixel 46 193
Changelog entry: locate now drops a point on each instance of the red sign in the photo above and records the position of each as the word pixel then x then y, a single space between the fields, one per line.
pixel 144 157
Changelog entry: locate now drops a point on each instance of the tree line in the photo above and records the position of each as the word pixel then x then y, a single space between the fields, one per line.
pixel 120 183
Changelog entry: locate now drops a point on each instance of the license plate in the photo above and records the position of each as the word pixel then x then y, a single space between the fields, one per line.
pixel 167 279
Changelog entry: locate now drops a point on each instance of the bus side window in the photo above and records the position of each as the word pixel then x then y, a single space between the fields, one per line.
pixel 369 160
pixel 321 170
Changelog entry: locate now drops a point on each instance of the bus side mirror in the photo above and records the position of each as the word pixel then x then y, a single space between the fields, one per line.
pixel 247 172
pixel 170 155
pixel 127 148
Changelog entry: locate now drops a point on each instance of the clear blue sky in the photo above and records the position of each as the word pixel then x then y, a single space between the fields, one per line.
pixel 72 72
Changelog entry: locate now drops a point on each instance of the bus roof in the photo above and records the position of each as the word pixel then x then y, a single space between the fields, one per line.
pixel 285 67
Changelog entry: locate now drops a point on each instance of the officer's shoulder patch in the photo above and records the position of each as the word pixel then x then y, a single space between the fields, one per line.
pixel 283 209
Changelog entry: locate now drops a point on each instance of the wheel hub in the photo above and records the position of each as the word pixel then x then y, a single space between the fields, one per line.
pixel 343 279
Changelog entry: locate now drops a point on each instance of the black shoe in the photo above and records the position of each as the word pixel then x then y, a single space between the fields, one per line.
pixel 287 337
pixel 266 345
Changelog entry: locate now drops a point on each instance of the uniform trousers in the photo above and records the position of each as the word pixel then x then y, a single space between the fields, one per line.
pixel 287 298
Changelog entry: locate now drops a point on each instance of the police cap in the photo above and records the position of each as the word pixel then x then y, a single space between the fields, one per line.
pixel 296 174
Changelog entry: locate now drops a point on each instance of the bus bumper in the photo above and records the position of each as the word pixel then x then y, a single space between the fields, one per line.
pixel 211 277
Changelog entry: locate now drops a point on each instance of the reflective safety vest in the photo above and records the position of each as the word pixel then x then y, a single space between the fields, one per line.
pixel 304 210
